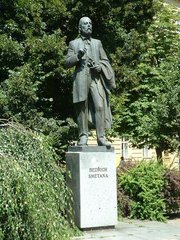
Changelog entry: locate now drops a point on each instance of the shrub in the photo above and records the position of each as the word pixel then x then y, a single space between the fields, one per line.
pixel 61 133
pixel 144 186
pixel 172 191
pixel 123 200
pixel 33 197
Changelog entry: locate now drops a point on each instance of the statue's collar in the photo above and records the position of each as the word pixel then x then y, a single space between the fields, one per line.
pixel 86 38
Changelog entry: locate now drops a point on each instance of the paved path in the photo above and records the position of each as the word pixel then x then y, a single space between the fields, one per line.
pixel 136 230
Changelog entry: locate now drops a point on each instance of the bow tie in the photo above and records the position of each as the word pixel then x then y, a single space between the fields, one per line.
pixel 86 40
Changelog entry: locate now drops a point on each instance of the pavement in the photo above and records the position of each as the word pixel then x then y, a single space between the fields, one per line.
pixel 127 229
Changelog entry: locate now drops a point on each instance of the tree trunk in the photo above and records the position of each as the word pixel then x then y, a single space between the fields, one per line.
pixel 159 151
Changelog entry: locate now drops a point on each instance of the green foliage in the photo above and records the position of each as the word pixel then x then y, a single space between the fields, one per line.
pixel 150 113
pixel 35 87
pixel 144 186
pixel 61 133
pixel 46 56
pixel 147 191
pixel 20 95
pixel 33 196
pixel 11 55
pixel 20 100
pixel 123 200
pixel 111 19
pixel 29 38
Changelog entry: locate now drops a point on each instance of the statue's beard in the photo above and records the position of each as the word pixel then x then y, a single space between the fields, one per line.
pixel 87 32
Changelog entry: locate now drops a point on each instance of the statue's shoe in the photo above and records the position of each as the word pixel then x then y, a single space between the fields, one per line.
pixel 103 142
pixel 82 141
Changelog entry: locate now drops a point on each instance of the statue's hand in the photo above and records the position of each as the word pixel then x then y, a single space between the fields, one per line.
pixel 94 65
pixel 81 53
pixel 97 68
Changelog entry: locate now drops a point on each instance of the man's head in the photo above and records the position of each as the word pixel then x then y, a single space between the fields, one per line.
pixel 85 26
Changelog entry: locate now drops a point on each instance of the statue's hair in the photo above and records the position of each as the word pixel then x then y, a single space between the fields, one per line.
pixel 80 22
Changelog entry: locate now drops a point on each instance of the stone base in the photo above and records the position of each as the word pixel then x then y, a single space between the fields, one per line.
pixel 91 175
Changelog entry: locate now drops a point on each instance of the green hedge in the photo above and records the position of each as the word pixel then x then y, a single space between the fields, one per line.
pixel 33 193
pixel 148 190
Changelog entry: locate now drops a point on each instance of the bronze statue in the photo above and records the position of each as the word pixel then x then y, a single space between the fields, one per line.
pixel 93 80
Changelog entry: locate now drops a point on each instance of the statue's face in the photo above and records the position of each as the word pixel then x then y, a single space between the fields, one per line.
pixel 86 26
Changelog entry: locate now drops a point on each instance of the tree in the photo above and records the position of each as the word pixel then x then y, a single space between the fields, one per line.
pixel 35 88
pixel 28 37
pixel 151 109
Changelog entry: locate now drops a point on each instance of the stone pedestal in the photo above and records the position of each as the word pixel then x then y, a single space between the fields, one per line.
pixel 91 175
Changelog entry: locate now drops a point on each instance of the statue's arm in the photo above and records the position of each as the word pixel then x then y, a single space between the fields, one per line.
pixel 102 53
pixel 72 57
pixel 106 68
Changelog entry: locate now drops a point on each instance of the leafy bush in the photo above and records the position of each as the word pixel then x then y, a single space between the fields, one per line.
pixel 144 186
pixel 33 197
pixel 123 200
pixel 172 191
pixel 61 133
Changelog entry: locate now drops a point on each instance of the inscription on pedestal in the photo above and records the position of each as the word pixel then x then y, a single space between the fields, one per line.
pixel 99 172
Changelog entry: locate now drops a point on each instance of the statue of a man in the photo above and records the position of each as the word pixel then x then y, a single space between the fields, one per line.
pixel 93 80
